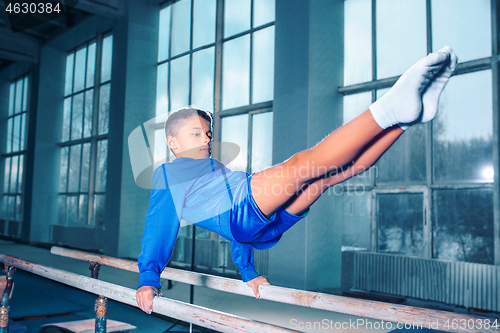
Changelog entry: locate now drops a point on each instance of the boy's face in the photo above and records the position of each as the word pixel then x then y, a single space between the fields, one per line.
pixel 192 139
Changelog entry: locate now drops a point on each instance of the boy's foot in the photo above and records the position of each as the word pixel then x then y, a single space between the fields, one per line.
pixel 402 104
pixel 430 97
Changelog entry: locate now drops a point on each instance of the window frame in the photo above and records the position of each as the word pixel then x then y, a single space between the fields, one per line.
pixel 218 112
pixel 94 139
pixel 20 153
pixel 429 186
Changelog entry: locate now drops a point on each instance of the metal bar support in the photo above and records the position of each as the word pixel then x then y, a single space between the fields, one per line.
pixel 4 304
pixel 101 304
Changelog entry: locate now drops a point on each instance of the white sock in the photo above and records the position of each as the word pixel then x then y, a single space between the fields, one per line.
pixel 402 104
pixel 430 97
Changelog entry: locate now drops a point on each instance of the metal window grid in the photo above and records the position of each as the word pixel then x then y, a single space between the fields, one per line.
pixel 218 113
pixel 17 193
pixel 95 138
pixel 489 63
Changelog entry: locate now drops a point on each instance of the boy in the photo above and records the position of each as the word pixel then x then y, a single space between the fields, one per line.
pixel 254 211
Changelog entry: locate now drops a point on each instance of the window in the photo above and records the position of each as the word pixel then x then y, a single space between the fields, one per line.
pixel 12 198
pixel 432 192
pixel 218 55
pixel 84 144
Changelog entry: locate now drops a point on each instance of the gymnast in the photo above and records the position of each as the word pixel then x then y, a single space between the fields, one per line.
pixel 253 211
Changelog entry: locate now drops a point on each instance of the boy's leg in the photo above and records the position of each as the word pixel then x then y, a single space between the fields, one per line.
pixel 307 195
pixel 272 187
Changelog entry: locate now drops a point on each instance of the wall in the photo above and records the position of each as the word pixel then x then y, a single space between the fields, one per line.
pixel 308 70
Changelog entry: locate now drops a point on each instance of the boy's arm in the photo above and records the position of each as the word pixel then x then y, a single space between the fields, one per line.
pixel 243 258
pixel 160 232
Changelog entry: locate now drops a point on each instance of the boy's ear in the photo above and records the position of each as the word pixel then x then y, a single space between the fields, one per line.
pixel 171 142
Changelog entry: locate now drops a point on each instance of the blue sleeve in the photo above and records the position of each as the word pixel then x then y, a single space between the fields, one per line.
pixel 160 232
pixel 243 258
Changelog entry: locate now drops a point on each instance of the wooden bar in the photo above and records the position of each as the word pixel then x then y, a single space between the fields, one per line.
pixel 197 315
pixel 441 320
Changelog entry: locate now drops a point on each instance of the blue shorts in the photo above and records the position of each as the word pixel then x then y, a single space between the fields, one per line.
pixel 249 225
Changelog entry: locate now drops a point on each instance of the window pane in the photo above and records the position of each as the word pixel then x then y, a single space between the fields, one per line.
pixel 162 90
pixel 202 94
pixel 263 12
pixel 6 175
pixel 235 72
pixel 66 119
pixel 74 168
pixel 90 65
pixel 398 49
pixel 99 210
pixel 204 22
pixel 80 66
pixel 463 225
pixel 3 209
pixel 107 53
pixel 102 161
pixel 13 174
pixel 23 131
pixel 181 27
pixel 400 224
pixel 77 117
pixel 62 210
pixel 235 130
pixel 16 133
pixel 18 210
pixel 69 74
pixel 12 208
pixel 236 16
pixel 20 174
pixel 179 82
pixel 465 27
pixel 356 224
pixel 72 210
pixel 10 123
pixel 263 65
pixel 104 109
pixel 84 183
pixel 161 150
pixel 89 107
pixel 262 141
pixel 164 33
pixel 25 94
pixel 405 161
pixel 354 105
pixel 63 170
pixel 357 41
pixel 83 209
pixel 463 130
pixel 12 97
pixel 19 97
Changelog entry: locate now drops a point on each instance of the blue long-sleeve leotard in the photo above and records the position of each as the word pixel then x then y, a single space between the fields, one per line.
pixel 199 191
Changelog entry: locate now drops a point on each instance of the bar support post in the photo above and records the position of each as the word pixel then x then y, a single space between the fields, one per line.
pixel 101 304
pixel 4 303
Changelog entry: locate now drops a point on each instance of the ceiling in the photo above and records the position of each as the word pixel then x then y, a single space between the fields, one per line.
pixel 23 46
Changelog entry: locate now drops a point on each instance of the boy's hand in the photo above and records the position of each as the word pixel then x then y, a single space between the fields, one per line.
pixel 255 283
pixel 144 297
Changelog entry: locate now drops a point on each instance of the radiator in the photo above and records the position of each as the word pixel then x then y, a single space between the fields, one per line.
pixel 458 283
